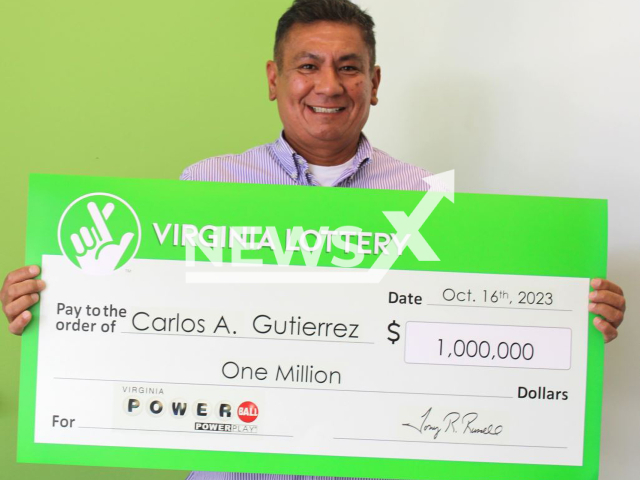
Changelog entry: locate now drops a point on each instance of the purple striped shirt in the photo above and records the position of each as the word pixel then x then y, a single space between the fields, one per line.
pixel 278 163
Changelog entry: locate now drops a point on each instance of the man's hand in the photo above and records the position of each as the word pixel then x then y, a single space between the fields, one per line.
pixel 19 292
pixel 607 301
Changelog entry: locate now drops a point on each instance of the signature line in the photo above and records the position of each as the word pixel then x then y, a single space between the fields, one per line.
pixel 446 443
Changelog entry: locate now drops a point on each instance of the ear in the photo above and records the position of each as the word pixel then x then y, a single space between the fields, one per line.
pixel 375 82
pixel 272 77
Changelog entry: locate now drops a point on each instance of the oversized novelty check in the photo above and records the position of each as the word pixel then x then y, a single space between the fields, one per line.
pixel 333 332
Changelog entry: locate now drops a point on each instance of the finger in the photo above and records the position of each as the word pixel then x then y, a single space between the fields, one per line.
pixel 612 315
pixel 608 297
pixel 19 305
pixel 602 284
pixel 107 210
pixel 96 216
pixel 608 331
pixel 125 241
pixel 18 325
pixel 95 234
pixel 86 237
pixel 77 243
pixel 22 274
pixel 24 288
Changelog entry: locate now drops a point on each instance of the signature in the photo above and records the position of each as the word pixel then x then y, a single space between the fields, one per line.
pixel 454 422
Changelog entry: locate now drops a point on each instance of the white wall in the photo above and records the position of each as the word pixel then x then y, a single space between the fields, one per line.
pixel 529 97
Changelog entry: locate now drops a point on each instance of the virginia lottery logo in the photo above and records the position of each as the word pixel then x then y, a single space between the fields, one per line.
pixel 99 233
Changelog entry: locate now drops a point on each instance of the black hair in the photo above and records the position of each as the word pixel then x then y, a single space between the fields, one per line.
pixel 310 11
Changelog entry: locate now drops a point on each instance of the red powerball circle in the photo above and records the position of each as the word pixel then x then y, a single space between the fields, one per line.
pixel 247 412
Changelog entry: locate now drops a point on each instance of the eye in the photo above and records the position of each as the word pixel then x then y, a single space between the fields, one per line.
pixel 349 68
pixel 307 66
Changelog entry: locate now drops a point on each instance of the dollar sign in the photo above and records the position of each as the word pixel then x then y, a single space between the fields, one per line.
pixel 396 336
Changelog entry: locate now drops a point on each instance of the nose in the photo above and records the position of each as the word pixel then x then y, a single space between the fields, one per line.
pixel 329 83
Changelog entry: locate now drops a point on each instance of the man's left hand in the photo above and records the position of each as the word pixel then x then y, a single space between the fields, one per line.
pixel 607 301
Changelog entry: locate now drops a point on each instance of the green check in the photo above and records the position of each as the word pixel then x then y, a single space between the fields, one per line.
pixel 310 331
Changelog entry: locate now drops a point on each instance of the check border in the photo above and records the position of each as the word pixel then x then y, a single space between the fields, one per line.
pixel 479 234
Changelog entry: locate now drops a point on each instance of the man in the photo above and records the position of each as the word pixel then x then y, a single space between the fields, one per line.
pixel 324 79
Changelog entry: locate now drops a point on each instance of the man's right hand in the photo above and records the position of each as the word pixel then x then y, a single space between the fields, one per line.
pixel 19 292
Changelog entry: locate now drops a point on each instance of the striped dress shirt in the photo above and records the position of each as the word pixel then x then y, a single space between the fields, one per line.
pixel 277 163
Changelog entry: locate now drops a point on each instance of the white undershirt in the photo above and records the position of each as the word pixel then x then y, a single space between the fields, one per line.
pixel 326 176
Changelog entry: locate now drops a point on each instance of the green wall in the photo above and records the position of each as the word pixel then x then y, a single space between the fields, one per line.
pixel 121 88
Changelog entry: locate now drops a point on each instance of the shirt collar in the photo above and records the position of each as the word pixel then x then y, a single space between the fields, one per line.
pixel 290 160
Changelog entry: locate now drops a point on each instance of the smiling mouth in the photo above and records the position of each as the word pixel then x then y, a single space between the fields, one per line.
pixel 326 110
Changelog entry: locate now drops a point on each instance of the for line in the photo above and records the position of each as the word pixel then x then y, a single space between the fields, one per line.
pixel 188 431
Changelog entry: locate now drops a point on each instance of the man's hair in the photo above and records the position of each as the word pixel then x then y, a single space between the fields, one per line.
pixel 310 11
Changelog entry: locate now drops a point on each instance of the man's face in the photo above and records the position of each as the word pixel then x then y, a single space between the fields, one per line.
pixel 324 85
